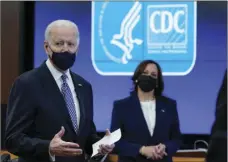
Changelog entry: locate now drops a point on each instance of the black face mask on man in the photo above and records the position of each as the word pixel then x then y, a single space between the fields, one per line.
pixel 146 83
pixel 63 60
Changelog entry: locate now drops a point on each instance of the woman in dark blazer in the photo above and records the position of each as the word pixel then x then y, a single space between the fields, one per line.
pixel 148 120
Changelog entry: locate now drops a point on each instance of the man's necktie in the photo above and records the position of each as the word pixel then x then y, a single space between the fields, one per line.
pixel 68 97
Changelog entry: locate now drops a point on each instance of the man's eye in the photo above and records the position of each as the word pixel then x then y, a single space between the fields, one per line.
pixel 71 44
pixel 59 43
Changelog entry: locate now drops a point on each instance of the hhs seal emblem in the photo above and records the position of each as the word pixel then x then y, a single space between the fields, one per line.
pixel 126 33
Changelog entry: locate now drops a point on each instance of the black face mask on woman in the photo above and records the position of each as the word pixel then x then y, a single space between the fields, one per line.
pixel 147 83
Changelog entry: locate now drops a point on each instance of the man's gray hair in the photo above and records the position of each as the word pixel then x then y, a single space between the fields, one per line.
pixel 59 23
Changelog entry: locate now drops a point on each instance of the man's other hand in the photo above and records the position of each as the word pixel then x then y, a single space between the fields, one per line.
pixel 58 147
pixel 105 149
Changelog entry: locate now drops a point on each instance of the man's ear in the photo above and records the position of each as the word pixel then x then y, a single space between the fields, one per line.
pixel 46 47
pixel 77 51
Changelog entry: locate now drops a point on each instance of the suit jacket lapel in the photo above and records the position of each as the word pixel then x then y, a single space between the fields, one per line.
pixel 79 88
pixel 54 94
pixel 159 121
pixel 160 112
pixel 137 110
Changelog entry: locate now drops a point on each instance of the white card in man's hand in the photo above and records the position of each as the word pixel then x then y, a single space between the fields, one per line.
pixel 107 140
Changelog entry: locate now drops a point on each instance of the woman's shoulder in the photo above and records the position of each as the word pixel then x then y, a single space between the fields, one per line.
pixel 122 100
pixel 132 97
pixel 166 99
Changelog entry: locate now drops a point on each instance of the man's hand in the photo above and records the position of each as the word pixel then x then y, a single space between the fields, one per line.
pixel 58 147
pixel 105 149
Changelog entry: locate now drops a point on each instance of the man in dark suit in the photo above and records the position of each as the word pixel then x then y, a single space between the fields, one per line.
pixel 50 109
pixel 217 151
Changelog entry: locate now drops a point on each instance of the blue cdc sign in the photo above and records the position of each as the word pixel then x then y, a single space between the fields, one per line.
pixel 126 33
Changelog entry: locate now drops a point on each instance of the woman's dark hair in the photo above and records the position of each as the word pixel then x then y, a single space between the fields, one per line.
pixel 139 71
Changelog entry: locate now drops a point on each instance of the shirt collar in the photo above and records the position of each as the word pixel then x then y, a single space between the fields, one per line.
pixel 56 73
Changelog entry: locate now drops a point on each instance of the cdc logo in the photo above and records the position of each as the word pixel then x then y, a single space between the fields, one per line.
pixel 126 33
pixel 166 16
